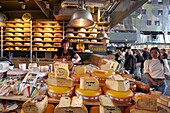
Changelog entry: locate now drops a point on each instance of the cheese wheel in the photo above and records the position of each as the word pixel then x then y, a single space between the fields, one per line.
pixel 38 34
pixel 38 29
pixel 81 35
pixel 18 43
pixel 133 109
pixel 93 40
pixel 89 95
pixel 9 34
pixel 26 24
pixel 70 34
pixel 17 39
pixel 48 29
pixel 82 30
pixel 39 44
pixel 48 39
pixel 27 39
pixel 9 44
pixel 26 29
pixel 9 29
pixel 57 34
pixel 89 83
pixel 58 92
pixel 18 34
pixel 10 25
pixel 19 25
pixel 57 44
pixel 57 39
pixel 17 48
pixel 26 34
pixel 38 39
pixel 48 34
pixel 48 44
pixel 19 29
pixel 8 39
pixel 38 24
pixel 70 29
pixel 26 44
pixel 92 30
pixel 48 24
pixel 76 78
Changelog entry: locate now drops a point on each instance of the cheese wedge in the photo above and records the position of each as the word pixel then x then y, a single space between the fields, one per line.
pixel 61 73
pixel 107 106
pixel 65 102
pixel 60 82
pixel 77 101
pixel 89 83
pixel 136 110
pixel 82 109
pixel 80 70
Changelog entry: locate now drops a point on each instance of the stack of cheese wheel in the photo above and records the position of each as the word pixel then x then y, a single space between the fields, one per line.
pixel 79 71
pixel 118 89
pixel 89 89
pixel 102 75
pixel 75 105
pixel 145 103
pixel 59 83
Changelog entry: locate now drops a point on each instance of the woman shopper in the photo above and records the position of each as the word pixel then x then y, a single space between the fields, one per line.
pixel 156 70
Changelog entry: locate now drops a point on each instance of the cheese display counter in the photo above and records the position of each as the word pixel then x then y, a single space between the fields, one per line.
pixel 57 91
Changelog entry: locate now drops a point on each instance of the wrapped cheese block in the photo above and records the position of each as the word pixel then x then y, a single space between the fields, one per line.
pixel 58 92
pixel 31 91
pixel 133 109
pixel 35 105
pixel 5 89
pixel 7 107
pixel 89 83
pixel 80 69
pixel 19 88
pixel 64 102
pixel 107 106
pixel 118 84
pixel 145 101
pixel 17 39
pixel 60 82
pixel 119 96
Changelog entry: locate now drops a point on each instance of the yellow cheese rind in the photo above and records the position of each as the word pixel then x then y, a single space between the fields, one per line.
pixel 59 90
pixel 60 82
pixel 89 93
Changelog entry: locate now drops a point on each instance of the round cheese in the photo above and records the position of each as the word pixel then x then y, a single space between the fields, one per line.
pixel 24 49
pixel 57 39
pixel 18 43
pixel 93 35
pixel 70 34
pixel 48 44
pixel 47 29
pixel 57 34
pixel 19 25
pixel 48 39
pixel 38 29
pixel 82 30
pixel 92 30
pixel 76 78
pixel 81 35
pixel 26 44
pixel 93 40
pixel 26 34
pixel 26 24
pixel 35 49
pixel 38 39
pixel 27 39
pixel 57 29
pixel 18 34
pixel 26 29
pixel 57 44
pixel 9 34
pixel 17 48
pixel 9 29
pixel 19 29
pixel 48 34
pixel 38 34
pixel 48 24
pixel 10 25
pixel 39 44
pixel 18 39
pixel 57 92
pixel 9 44
pixel 70 29
pixel 9 39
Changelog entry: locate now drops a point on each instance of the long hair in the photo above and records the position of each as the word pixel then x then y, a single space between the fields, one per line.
pixel 159 57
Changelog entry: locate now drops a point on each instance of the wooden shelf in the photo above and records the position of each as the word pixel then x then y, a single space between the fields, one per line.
pixel 16 32
pixel 48 41
pixel 47 27
pixel 99 43
pixel 15 46
pixel 15 36
pixel 16 40
pixel 16 22
pixel 46 46
pixel 47 31
pixel 47 36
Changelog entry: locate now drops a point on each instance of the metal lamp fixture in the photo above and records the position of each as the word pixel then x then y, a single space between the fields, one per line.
pixel 2 21
pixel 82 17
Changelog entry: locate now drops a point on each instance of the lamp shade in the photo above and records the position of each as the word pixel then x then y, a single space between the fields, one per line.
pixel 2 21
pixel 81 18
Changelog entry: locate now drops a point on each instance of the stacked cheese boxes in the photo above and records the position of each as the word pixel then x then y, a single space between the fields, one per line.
pixel 60 84
pixel 118 89
pixel 68 105
pixel 89 89
pixel 145 103
pixel 79 71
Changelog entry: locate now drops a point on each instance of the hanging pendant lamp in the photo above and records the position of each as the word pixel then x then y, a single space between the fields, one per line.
pixel 82 17
pixel 2 21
